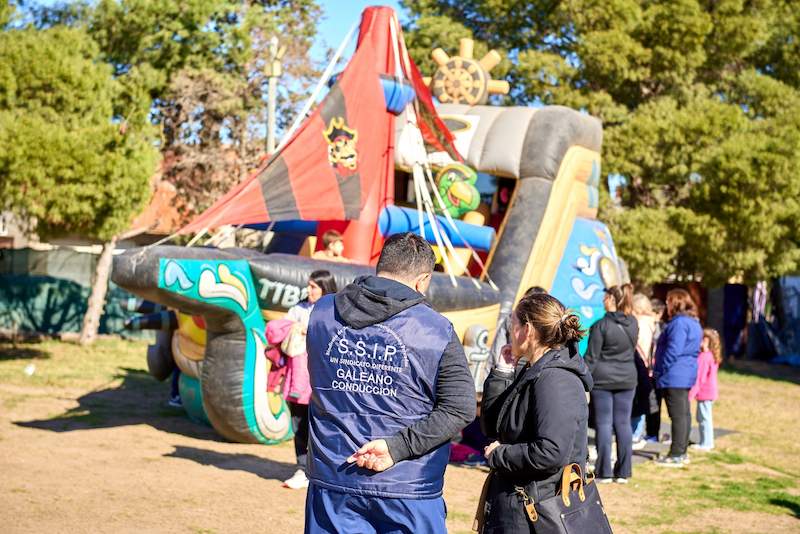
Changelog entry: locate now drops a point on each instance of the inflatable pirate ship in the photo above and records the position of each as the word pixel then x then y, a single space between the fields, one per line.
pixel 506 195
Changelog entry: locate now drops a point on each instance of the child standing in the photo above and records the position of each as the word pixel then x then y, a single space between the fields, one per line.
pixel 705 389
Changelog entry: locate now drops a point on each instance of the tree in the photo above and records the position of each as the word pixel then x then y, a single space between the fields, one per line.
pixel 201 65
pixel 64 161
pixel 185 77
pixel 66 164
pixel 697 99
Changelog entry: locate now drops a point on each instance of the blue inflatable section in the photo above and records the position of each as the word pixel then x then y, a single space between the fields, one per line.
pixel 192 399
pixel 396 220
pixel 289 227
pixel 588 266
pixel 397 93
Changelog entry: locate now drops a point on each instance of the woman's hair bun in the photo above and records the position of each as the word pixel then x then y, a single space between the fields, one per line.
pixel 554 324
pixel 571 327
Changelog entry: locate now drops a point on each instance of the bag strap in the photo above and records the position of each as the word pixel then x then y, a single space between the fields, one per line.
pixel 480 514
pixel 525 377
pixel 634 342
pixel 572 475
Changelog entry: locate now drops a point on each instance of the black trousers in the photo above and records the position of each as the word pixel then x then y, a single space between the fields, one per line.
pixel 679 410
pixel 653 420
pixel 300 425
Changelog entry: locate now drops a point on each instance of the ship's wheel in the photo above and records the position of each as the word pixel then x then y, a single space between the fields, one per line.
pixel 464 80
pixel 460 80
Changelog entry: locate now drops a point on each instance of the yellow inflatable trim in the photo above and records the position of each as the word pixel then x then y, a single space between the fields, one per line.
pixel 463 319
pixel 189 329
pixel 569 199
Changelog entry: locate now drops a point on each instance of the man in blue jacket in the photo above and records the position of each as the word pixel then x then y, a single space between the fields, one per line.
pixel 391 387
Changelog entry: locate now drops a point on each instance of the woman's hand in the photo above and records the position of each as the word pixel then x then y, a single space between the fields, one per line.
pixel 506 361
pixel 489 449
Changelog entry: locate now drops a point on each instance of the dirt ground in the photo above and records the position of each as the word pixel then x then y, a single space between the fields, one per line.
pixel 110 457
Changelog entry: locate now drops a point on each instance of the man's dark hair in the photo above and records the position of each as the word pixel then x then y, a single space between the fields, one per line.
pixel 406 255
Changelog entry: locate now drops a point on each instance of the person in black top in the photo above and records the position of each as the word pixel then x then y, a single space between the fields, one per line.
pixel 534 406
pixel 610 357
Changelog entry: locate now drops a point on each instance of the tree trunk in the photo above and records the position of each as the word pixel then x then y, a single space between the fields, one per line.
pixel 91 321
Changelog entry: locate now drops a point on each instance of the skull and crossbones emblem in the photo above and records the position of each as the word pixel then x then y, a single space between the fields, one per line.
pixel 342 153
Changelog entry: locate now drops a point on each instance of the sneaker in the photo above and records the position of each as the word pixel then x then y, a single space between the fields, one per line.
pixel 620 480
pixel 700 448
pixel 175 402
pixel 604 480
pixel 685 459
pixel 475 460
pixel 651 439
pixel 670 461
pixel 298 480
pixel 639 445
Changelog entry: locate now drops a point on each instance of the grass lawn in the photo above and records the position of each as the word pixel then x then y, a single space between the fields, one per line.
pixel 749 484
pixel 67 365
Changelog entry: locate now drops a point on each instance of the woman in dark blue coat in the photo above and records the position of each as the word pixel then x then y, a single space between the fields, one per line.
pixel 534 405
pixel 675 370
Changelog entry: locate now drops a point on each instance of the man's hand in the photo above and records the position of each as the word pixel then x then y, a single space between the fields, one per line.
pixel 374 456
pixel 489 449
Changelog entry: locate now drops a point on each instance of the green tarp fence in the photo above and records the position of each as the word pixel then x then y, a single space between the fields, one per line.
pixel 47 291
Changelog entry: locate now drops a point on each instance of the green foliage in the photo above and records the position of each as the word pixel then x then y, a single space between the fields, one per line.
pixel 6 11
pixel 186 77
pixel 699 104
pixel 63 160
pixel 647 241
pixel 201 65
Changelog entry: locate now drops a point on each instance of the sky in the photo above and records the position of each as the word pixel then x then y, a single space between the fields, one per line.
pixel 339 16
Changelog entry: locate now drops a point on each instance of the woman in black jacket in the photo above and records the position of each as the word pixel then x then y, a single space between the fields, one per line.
pixel 611 357
pixel 534 405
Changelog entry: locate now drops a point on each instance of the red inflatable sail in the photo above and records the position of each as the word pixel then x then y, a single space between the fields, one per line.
pixel 328 167
pixel 338 168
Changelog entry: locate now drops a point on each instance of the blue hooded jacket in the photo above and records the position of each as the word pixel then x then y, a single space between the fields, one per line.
pixel 676 353
pixel 375 358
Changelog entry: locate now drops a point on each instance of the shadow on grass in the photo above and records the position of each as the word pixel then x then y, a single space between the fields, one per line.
pixel 139 399
pixel 21 352
pixel 760 369
pixel 250 463
pixel 791 505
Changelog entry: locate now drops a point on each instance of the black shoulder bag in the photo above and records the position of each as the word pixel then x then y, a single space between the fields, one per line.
pixel 575 509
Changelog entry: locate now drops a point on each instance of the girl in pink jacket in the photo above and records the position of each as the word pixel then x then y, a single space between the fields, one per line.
pixel 705 389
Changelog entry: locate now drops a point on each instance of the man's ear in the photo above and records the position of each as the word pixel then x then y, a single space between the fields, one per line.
pixel 422 283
